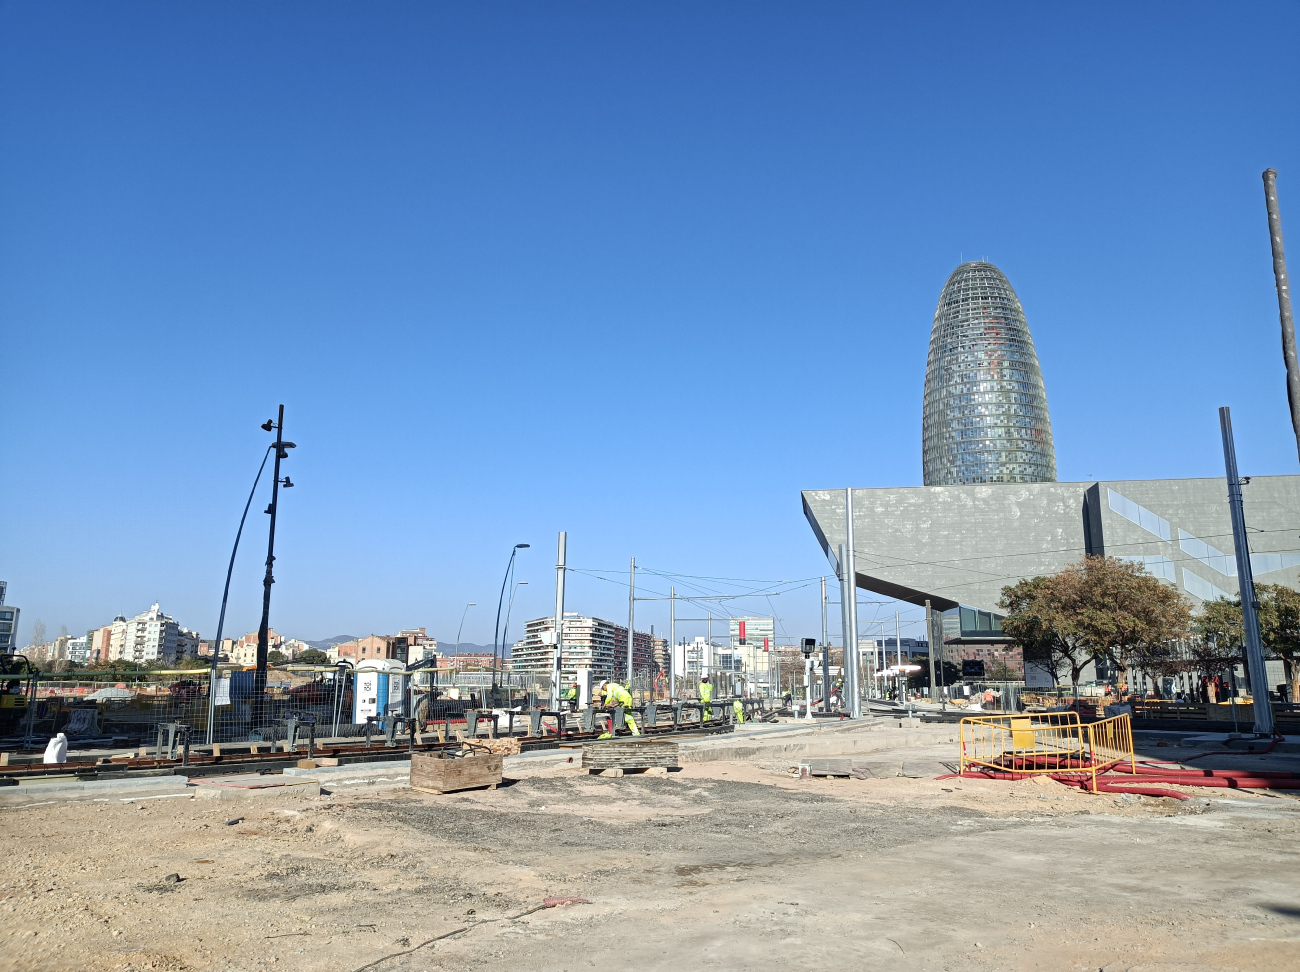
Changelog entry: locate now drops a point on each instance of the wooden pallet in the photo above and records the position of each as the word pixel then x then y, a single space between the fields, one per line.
pixel 629 754
pixel 429 774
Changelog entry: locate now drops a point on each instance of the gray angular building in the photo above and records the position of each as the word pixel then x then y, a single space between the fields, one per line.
pixel 985 417
pixel 958 546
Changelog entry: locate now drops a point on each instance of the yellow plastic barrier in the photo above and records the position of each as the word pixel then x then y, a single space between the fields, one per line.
pixel 1046 743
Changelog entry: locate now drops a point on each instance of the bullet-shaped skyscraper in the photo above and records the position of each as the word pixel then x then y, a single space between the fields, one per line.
pixel 985 412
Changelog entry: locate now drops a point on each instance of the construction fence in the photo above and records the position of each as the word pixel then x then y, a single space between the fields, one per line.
pixel 1049 743
pixel 127 708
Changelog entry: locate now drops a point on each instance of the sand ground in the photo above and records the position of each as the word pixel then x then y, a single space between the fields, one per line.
pixel 723 865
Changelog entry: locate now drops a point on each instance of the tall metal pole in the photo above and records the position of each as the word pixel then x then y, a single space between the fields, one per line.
pixel 1246 583
pixel 898 644
pixel 672 644
pixel 844 630
pixel 631 618
pixel 221 618
pixel 1283 301
pixel 259 677
pixel 851 645
pixel 929 648
pixel 557 655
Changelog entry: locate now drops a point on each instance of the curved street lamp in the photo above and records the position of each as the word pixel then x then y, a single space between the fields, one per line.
pixel 505 628
pixel 462 624
pixel 496 630
pixel 225 596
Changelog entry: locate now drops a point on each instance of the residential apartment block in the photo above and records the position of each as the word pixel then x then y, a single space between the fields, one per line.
pixel 587 643
pixel 8 623
pixel 149 637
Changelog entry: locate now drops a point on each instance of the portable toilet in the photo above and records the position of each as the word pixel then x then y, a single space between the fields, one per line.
pixel 379 688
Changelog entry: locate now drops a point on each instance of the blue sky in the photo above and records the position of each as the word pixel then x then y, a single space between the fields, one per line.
pixel 640 272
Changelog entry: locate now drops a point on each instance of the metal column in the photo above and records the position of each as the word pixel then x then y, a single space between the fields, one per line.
pixel 631 618
pixel 1246 583
pixel 557 689
pixel 851 683
pixel 1283 301
pixel 672 644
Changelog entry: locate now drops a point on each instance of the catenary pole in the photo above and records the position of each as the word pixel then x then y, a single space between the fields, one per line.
pixel 672 644
pixel 1283 301
pixel 1246 583
pixel 558 654
pixel 929 648
pixel 898 645
pixel 851 645
pixel 631 618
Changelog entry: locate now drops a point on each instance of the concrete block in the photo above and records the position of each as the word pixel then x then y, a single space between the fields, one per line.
pixel 244 787
pixel 607 772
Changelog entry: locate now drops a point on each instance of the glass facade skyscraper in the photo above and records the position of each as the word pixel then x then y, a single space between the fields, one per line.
pixel 985 412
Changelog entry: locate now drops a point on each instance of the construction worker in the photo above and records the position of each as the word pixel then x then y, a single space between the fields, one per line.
pixel 571 696
pixel 738 707
pixel 706 696
pixel 615 695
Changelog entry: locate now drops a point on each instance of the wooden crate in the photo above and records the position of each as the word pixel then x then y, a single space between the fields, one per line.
pixel 429 774
pixel 629 754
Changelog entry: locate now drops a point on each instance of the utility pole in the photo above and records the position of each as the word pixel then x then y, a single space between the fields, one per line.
pixel 556 689
pixel 825 652
pixel 898 646
pixel 672 644
pixel 631 617
pixel 1283 301
pixel 1246 584
pixel 852 683
pixel 929 648
pixel 259 677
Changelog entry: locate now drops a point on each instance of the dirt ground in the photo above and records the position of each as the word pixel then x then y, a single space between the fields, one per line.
pixel 719 866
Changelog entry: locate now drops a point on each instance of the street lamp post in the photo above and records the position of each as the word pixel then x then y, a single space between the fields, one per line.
pixel 225 596
pixel 496 629
pixel 281 452
pixel 505 628
pixel 462 624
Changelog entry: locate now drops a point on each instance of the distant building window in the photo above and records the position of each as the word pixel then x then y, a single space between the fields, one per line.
pixel 1198 586
pixel 1140 515
pixel 1157 566
pixel 1266 563
pixel 1210 556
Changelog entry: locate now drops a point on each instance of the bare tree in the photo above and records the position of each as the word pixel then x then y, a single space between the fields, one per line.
pixel 38 632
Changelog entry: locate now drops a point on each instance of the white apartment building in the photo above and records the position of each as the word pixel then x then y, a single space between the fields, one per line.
pixel 591 643
pixel 151 636
pixel 8 623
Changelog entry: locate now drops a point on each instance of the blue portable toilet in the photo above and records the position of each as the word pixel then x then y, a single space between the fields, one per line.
pixel 378 689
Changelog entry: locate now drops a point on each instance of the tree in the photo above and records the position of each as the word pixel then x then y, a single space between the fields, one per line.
pixel 1221 630
pixel 274 657
pixel 1039 622
pixel 1099 608
pixel 1279 624
pixel 1120 612
pixel 38 632
pixel 1218 645
pixel 312 656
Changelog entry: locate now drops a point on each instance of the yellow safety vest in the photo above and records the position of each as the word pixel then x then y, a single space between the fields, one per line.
pixel 706 691
pixel 615 694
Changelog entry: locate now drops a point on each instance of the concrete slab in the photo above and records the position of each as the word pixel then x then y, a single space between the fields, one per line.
pixel 66 789
pixel 249 785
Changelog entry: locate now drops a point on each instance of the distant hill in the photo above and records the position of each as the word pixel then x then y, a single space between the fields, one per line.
pixel 464 648
pixel 329 643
